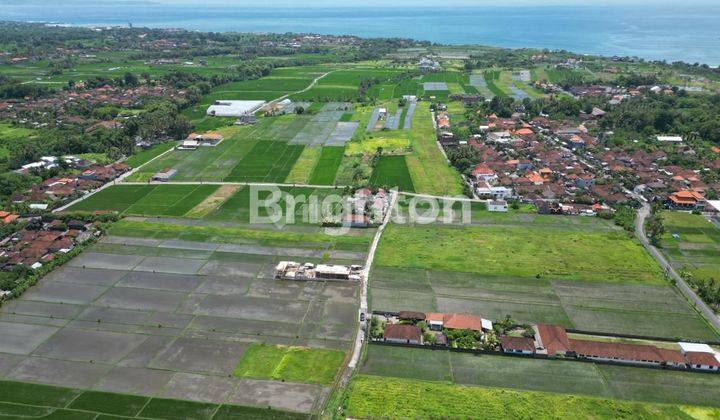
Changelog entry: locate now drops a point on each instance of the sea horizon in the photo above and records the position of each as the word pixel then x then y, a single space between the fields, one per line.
pixel 670 33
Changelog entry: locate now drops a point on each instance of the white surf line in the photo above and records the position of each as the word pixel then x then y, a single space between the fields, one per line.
pixel 113 182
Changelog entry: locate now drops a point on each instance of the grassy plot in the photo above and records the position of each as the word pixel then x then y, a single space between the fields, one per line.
pixel 304 166
pixel 327 167
pixel 238 207
pixel 377 397
pixel 430 172
pixel 267 161
pixel 288 363
pixel 238 235
pixel 150 200
pixel 213 201
pixel 520 251
pixel 209 163
pixel 390 172
pixel 144 156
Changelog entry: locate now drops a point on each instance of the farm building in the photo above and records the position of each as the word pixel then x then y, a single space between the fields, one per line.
pixel 188 145
pixel 440 321
pixel 233 108
pixel 637 354
pixel 700 356
pixel 551 340
pixel 670 139
pixel 517 345
pixel 291 270
pixel 497 205
pixel 400 333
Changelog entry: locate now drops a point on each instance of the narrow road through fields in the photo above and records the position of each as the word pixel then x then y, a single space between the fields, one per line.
pixel 348 370
pixel 686 290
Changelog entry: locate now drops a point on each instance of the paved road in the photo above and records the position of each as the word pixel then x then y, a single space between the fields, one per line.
pixel 642 215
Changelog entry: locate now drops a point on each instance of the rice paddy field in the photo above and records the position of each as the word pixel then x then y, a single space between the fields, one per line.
pixel 157 200
pixel 392 172
pixel 226 203
pixel 377 397
pixel 558 376
pixel 343 84
pixel 181 320
pixel 692 243
pixel 26 400
pixel 536 269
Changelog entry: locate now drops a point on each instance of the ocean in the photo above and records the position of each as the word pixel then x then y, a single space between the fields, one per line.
pixel 672 33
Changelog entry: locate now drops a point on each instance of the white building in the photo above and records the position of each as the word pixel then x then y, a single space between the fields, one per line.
pixel 670 139
pixel 484 190
pixel 497 205
pixel 234 108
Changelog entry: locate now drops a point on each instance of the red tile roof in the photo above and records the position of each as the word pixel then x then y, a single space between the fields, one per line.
pixel 403 332
pixel 701 358
pixel 517 343
pixel 553 338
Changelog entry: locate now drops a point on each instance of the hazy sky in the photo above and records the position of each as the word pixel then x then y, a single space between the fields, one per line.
pixel 429 3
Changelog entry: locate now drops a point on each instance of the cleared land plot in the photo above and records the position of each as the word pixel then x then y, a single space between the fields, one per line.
pixel 342 133
pixel 392 171
pixel 580 378
pixel 407 124
pixel 434 86
pixel 374 117
pixel 393 121
pixel 327 167
pixel 155 200
pixel 321 128
pixel 171 318
pixel 22 400
pixel 377 397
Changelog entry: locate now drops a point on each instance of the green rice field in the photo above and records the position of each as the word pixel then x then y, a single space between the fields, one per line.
pixel 378 397
pixel 547 375
pixel 155 200
pixel 26 400
pixel 696 249
pixel 391 172
pixel 327 167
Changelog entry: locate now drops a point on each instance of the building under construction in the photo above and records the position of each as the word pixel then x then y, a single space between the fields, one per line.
pixel 291 270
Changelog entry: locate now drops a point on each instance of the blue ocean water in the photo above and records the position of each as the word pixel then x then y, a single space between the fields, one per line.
pixel 682 32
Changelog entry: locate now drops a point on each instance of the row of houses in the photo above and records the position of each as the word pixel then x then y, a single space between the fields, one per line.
pixel 66 187
pixel 406 327
pixel 547 160
pixel 35 247
pixel 62 100
pixel 553 341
